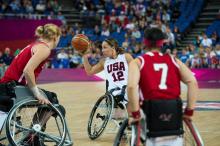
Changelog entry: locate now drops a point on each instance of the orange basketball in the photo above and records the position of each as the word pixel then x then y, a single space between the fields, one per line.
pixel 80 42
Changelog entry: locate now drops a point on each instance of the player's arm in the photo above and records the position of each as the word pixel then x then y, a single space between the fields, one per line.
pixel 133 81
pixel 41 52
pixel 128 57
pixel 188 78
pixel 91 70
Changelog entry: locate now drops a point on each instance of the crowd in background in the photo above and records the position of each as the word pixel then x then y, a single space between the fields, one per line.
pixel 131 18
pixel 32 9
pixel 6 58
pixel 126 22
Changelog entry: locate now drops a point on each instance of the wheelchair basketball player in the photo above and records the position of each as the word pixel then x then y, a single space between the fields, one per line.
pixel 115 65
pixel 26 67
pixel 158 77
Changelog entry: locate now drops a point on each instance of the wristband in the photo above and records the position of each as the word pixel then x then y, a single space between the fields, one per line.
pixel 136 114
pixel 188 112
pixel 35 91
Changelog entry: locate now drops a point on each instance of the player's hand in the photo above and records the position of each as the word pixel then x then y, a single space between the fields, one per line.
pixel 135 117
pixel 43 100
pixel 186 117
pixel 132 120
pixel 188 113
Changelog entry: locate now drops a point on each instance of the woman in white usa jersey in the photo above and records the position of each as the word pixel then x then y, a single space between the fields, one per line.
pixel 115 64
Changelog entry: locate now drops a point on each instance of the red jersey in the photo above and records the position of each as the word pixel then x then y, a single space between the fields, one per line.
pixel 15 70
pixel 159 76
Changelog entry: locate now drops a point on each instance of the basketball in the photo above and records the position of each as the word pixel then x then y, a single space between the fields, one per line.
pixel 80 42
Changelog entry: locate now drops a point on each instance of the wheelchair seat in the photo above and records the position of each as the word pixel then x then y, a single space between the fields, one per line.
pixel 24 93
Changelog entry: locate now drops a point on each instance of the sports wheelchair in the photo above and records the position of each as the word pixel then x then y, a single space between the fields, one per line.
pixel 103 112
pixel 140 133
pixel 24 123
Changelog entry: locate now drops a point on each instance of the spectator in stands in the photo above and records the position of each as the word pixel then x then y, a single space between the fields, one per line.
pixel 63 59
pixel 28 7
pixel 61 18
pixel 70 53
pixel 62 54
pixel 126 44
pixel 3 7
pixel 51 15
pixel 65 38
pixel 55 6
pixel 97 30
pixel 136 51
pixel 170 36
pixel 162 26
pixel 76 60
pixel 166 17
pixel 197 41
pixel 184 57
pixel 196 61
pixel 175 53
pixel 170 42
pixel 15 6
pixel 7 57
pixel 142 23
pixel 214 38
pixel 94 58
pixel 136 33
pixel 193 49
pixel 105 31
pixel 41 7
pixel 215 57
pixel 177 36
pixel 206 42
pixel 203 58
pixel 1 65
pixel 207 58
pixel 79 4
pixel 131 24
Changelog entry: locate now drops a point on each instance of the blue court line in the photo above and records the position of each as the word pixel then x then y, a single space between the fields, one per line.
pixel 205 105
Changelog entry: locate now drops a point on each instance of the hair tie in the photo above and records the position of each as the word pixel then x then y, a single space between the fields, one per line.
pixel 43 29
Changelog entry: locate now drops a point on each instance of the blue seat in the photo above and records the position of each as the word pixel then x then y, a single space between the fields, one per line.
pixel 65 63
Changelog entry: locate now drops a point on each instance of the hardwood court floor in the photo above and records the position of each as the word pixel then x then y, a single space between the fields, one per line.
pixel 79 98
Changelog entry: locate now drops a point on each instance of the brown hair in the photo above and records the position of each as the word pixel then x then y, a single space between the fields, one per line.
pixel 114 43
pixel 48 31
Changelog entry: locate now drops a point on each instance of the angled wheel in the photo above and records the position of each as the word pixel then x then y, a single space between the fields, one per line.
pixel 24 125
pixel 127 136
pixel 99 116
pixel 191 134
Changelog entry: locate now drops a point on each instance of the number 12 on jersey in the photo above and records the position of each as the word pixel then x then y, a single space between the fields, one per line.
pixel 164 67
pixel 118 76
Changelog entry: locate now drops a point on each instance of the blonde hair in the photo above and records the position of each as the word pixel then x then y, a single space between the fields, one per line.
pixel 48 31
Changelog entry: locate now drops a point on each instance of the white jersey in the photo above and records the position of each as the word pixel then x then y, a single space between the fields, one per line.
pixel 116 71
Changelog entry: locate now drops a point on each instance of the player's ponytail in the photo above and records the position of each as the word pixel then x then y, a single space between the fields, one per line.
pixel 48 31
pixel 120 50
pixel 39 31
pixel 114 43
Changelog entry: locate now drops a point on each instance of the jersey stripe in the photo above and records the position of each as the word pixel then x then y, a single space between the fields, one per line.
pixel 142 61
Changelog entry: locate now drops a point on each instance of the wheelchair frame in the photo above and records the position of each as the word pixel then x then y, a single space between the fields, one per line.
pixel 24 97
pixel 109 98
pixel 136 135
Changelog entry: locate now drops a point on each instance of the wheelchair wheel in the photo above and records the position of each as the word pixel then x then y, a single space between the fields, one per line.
pixel 99 116
pixel 25 124
pixel 127 136
pixel 191 134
